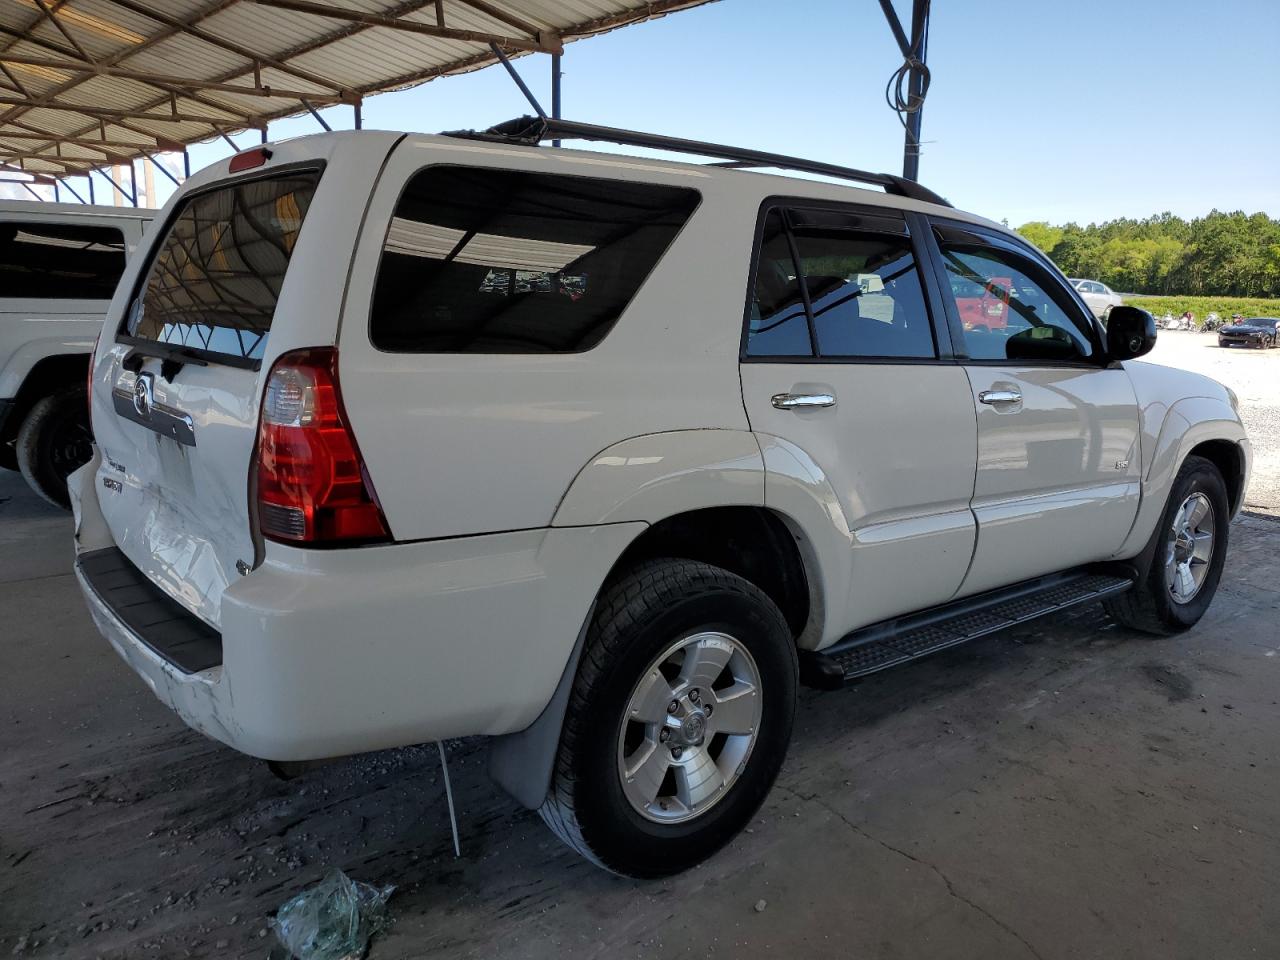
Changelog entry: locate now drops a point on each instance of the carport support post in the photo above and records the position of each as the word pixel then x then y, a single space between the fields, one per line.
pixel 555 91
pixel 913 51
pixel 92 200
pixel 915 90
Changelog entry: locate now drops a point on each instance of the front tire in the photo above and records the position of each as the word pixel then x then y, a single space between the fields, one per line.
pixel 1190 551
pixel 678 721
pixel 53 442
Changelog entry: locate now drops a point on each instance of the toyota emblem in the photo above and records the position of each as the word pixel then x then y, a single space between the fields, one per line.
pixel 142 395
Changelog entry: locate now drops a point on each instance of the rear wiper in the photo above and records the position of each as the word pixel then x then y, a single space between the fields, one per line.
pixel 174 358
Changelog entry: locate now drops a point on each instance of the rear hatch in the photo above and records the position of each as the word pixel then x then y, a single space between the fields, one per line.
pixel 176 395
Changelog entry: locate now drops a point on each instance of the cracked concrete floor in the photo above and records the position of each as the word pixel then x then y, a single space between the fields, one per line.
pixel 1064 790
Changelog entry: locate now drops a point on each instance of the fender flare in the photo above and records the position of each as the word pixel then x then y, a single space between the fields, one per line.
pixel 1187 423
pixel 657 475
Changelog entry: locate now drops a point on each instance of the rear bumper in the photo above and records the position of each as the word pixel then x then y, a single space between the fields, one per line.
pixel 330 653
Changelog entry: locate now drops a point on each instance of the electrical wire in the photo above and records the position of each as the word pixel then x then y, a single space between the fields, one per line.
pixel 897 92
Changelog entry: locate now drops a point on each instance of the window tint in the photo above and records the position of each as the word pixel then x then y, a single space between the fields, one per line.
pixel 495 261
pixel 777 326
pixel 215 281
pixel 863 288
pixel 1007 312
pixel 57 261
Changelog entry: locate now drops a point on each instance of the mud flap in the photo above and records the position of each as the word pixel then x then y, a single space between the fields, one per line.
pixel 521 763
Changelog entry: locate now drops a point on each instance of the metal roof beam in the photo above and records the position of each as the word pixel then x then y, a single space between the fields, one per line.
pixel 542 43
pixel 207 37
pixel 510 19
pixel 107 114
pixel 94 69
pixel 108 157
pixel 29 133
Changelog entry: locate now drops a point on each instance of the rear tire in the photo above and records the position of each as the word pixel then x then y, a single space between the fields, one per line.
pixel 1169 599
pixel 651 667
pixel 54 441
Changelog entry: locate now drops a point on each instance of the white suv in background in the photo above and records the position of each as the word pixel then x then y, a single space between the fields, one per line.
pixel 1098 296
pixel 59 264
pixel 406 437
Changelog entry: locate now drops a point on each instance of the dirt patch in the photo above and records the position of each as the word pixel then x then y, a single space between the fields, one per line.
pixel 1177 686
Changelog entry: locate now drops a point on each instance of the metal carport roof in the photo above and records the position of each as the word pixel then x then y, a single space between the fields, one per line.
pixel 88 83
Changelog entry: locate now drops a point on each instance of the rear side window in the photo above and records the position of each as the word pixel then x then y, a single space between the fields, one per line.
pixel 850 282
pixel 215 281
pixel 58 261
pixel 497 261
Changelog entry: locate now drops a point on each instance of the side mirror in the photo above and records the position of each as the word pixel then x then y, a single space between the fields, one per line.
pixel 1130 333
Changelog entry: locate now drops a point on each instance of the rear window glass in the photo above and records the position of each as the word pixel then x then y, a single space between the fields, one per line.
pixel 215 281
pixel 58 261
pixel 494 261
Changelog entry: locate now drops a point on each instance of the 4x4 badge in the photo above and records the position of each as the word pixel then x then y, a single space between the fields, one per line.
pixel 143 395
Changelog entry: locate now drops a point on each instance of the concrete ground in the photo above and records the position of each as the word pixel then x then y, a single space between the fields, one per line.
pixel 1068 789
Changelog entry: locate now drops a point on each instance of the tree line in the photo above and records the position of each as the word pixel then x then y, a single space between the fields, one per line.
pixel 1222 254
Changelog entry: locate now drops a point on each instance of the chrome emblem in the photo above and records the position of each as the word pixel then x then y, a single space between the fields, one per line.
pixel 143 395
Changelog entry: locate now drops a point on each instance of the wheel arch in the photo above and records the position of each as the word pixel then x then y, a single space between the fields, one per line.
pixel 46 376
pixel 1200 426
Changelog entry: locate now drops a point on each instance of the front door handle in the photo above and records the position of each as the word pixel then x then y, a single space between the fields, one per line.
pixel 792 401
pixel 999 396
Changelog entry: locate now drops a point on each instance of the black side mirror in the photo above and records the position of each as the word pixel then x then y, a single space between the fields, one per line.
pixel 1130 333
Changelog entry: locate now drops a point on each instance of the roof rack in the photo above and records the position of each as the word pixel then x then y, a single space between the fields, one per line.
pixel 531 131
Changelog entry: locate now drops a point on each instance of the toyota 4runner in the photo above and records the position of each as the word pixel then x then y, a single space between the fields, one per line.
pixel 407 437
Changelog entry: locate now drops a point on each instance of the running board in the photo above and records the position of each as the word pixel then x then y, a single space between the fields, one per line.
pixel 892 642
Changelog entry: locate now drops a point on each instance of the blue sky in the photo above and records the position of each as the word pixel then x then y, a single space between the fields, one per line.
pixel 1039 109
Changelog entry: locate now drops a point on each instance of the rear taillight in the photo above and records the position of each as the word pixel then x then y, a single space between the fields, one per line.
pixel 313 488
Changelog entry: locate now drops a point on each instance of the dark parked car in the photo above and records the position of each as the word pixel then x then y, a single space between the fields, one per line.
pixel 1254 332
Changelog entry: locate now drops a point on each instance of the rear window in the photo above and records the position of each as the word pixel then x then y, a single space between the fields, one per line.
pixel 214 284
pixel 494 261
pixel 58 261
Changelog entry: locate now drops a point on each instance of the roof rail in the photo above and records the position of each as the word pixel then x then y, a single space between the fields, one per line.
pixel 531 131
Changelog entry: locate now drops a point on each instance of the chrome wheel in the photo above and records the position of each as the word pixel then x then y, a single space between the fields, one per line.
pixel 689 727
pixel 1190 548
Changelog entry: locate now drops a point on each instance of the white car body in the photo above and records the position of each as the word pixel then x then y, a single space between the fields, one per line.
pixel 43 337
pixel 513 482
pixel 1099 297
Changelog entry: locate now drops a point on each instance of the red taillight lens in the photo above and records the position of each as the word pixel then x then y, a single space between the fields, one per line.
pixel 312 485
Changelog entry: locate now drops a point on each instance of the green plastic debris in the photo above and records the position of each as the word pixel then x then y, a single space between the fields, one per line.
pixel 334 920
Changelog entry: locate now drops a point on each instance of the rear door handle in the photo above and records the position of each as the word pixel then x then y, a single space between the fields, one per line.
pixel 792 401
pixel 999 396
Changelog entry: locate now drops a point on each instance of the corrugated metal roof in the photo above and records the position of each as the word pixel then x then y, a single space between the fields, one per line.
pixel 85 83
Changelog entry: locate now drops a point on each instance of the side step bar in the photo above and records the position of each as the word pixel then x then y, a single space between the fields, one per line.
pixel 892 642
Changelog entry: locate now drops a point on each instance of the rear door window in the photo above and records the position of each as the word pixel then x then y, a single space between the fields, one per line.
pixel 216 278
pixel 59 261
pixel 499 261
pixel 848 281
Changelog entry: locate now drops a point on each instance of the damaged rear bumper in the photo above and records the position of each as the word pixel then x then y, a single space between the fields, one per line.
pixel 331 653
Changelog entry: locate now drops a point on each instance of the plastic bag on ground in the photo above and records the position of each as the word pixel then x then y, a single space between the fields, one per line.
pixel 334 920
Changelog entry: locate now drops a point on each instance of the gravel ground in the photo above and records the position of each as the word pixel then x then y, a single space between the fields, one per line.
pixel 1255 377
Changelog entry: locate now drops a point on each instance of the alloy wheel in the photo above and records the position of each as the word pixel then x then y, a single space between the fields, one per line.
pixel 689 727
pixel 1190 548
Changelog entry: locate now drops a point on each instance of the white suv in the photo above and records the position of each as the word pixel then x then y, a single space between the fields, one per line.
pixel 407 437
pixel 59 264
